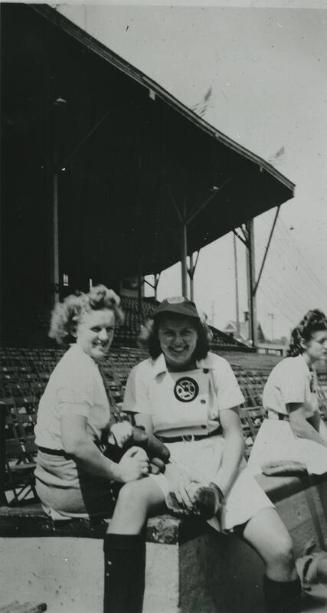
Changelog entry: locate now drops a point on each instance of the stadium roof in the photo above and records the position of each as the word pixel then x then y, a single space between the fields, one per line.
pixel 132 159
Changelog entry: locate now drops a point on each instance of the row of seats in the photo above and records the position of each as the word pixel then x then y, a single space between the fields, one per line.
pixel 22 381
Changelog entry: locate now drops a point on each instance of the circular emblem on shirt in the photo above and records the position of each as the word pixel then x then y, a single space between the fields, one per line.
pixel 186 389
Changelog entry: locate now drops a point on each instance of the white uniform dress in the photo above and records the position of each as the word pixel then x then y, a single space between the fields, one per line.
pixel 75 387
pixel 189 404
pixel 290 381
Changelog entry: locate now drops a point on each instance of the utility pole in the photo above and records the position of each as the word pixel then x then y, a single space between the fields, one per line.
pixel 212 315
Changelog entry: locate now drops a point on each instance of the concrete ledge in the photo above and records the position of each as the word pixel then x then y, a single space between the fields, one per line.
pixel 31 521
pixel 189 567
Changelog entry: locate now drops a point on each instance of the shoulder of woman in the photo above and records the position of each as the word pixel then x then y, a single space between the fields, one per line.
pixel 75 365
pixel 217 362
pixel 289 364
pixel 142 368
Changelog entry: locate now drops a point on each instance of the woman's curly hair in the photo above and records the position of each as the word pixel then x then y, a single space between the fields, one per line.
pixel 149 336
pixel 67 314
pixel 313 321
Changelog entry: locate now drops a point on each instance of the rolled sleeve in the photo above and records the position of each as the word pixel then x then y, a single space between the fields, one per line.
pixel 136 399
pixel 285 385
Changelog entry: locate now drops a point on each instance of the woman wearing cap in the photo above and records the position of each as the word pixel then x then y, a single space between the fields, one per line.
pixel 189 398
pixel 294 429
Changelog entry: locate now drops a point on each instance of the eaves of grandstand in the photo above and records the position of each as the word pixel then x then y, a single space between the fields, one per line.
pixel 132 164
pixel 154 88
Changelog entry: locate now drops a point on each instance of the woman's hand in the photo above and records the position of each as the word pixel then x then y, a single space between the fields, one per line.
pixel 133 465
pixel 179 499
pixel 122 432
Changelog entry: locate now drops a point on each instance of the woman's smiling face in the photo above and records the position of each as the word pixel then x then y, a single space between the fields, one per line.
pixel 95 332
pixel 178 338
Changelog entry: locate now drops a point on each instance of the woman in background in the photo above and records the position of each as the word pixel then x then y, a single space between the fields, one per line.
pixel 294 429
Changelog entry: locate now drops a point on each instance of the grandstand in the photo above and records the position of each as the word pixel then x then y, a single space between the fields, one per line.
pixel 97 162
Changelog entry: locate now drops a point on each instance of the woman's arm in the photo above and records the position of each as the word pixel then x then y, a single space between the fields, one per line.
pixel 301 426
pixel 233 449
pixel 77 443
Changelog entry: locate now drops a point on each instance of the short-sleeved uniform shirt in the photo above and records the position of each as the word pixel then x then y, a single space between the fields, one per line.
pixel 191 402
pixel 291 381
pixel 75 387
pixel 182 403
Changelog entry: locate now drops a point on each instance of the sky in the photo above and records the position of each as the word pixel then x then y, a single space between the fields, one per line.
pixel 267 70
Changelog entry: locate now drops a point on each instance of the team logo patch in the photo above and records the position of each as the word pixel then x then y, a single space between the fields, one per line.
pixel 186 389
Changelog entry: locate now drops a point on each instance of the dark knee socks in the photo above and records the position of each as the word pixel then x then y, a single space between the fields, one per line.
pixel 124 558
pixel 282 597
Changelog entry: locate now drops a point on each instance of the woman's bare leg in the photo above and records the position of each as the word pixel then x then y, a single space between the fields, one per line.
pixel 267 534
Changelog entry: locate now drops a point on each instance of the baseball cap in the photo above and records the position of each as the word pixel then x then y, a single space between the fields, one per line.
pixel 178 305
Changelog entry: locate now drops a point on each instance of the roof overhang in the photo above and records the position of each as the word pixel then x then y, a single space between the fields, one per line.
pixel 131 159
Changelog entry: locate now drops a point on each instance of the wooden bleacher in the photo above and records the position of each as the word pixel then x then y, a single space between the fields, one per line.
pixel 24 373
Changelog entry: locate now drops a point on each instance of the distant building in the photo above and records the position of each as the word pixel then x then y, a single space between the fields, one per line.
pixel 275 347
pixel 244 330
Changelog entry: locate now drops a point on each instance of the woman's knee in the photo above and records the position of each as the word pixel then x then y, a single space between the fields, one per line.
pixel 131 495
pixel 139 495
pixel 281 551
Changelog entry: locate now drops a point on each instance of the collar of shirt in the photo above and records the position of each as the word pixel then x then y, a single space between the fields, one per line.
pixel 160 366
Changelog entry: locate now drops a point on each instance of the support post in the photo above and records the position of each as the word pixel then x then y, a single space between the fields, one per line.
pixel 237 304
pixel 55 280
pixel 251 282
pixel 191 275
pixel 155 285
pixel 184 258
pixel 191 272
pixel 139 292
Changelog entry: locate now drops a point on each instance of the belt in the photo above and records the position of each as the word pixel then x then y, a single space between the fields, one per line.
pixel 277 416
pixel 60 452
pixel 188 438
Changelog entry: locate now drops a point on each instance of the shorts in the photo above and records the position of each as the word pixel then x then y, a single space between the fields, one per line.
pixel 66 491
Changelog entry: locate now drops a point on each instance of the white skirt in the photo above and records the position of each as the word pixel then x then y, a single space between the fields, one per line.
pixel 201 460
pixel 276 441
